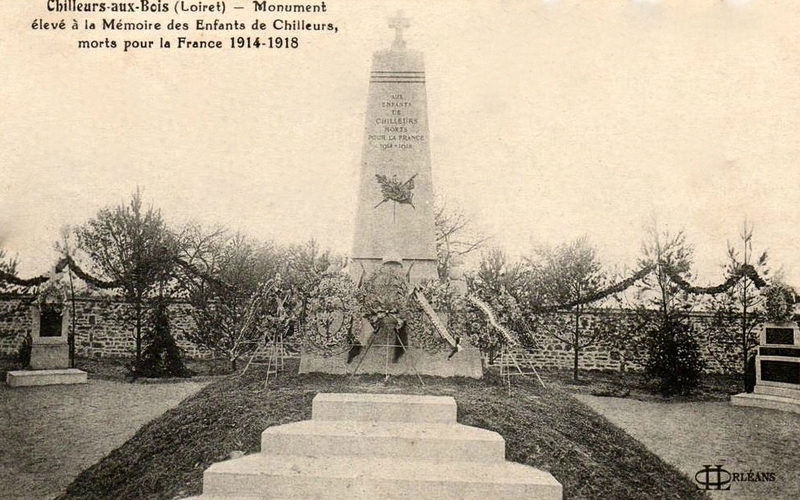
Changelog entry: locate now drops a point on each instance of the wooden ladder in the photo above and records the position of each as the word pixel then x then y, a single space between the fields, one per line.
pixel 510 347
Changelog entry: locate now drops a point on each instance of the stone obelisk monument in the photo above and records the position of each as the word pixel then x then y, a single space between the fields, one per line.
pixel 395 220
pixel 395 230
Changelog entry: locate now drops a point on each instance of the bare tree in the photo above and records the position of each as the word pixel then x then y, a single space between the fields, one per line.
pixel 456 237
pixel 228 279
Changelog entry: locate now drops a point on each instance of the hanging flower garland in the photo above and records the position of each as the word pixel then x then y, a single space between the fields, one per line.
pixel 53 293
pixel 606 292
pixel 191 269
pixel 25 283
pixel 745 271
pixel 80 273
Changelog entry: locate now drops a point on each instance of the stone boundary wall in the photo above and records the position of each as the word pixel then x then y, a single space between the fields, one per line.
pixel 719 346
pixel 102 327
pixel 102 330
pixel 15 323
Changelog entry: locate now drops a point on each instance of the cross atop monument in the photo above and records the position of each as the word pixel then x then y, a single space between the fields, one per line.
pixel 399 23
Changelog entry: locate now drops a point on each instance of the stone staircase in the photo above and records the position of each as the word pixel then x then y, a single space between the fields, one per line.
pixel 378 446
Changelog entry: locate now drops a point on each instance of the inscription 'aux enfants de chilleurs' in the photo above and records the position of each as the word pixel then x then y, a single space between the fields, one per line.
pixel 396 130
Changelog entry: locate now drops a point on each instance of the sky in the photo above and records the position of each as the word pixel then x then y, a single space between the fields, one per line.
pixel 549 120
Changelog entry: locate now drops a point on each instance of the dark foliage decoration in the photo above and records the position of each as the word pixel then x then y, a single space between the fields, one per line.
pixel 745 271
pixel 611 290
pixel 67 260
pixel 24 352
pixel 162 357
pixel 674 360
pixel 193 271
pixel 80 273
pixel 14 280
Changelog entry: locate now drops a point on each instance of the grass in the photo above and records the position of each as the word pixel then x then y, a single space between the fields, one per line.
pixel 630 384
pixel 546 429
pixel 118 369
pixel 634 385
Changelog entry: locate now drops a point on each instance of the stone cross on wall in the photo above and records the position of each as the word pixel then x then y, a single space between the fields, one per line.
pixel 399 23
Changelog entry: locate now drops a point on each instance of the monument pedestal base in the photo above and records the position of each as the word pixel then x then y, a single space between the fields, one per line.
pixel 774 398
pixel 466 363
pixel 26 378
pixel 375 447
pixel 49 356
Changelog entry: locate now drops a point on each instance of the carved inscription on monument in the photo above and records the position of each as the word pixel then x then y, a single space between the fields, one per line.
pixel 398 127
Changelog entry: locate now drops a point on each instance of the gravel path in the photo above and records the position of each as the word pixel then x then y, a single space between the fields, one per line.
pixel 691 435
pixel 50 434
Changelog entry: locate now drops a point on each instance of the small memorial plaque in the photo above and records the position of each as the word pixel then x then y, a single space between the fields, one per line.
pixel 788 352
pixel 780 371
pixel 50 323
pixel 783 336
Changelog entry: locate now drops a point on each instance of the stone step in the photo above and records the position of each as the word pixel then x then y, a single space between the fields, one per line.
pixel 239 497
pixel 422 441
pixel 766 401
pixel 28 378
pixel 784 392
pixel 232 497
pixel 384 408
pixel 272 476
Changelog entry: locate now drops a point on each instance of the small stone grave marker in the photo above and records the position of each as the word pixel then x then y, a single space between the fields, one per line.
pixel 49 351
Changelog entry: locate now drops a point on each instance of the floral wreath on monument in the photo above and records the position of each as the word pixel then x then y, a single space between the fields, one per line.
pixel 332 314
pixel 384 295
pixel 388 294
